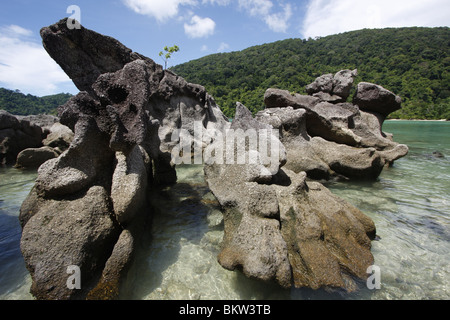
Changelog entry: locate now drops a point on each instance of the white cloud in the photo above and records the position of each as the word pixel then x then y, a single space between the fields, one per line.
pixel 325 17
pixel 199 27
pixel 256 7
pixel 223 47
pixel 278 22
pixel 14 30
pixel 159 9
pixel 25 65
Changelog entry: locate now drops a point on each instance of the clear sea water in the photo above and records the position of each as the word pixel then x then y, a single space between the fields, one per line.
pixel 410 204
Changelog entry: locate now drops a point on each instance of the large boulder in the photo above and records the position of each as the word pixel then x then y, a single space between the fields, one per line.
pixel 89 206
pixel 59 138
pixel 33 158
pixel 328 140
pixel 78 231
pixel 85 54
pixel 280 227
pixel 116 138
pixel 333 88
pixel 17 135
pixel 375 98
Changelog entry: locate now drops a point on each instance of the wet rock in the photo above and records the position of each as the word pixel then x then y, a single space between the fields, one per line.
pixel 328 239
pixel 108 288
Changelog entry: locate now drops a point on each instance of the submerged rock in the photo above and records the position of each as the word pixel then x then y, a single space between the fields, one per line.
pixel 438 154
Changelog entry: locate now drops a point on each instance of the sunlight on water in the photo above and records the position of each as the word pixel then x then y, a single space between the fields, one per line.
pixel 409 204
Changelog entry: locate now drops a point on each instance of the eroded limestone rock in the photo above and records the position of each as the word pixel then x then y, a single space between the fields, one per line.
pixel 88 206
pixel 285 228
pixel 335 139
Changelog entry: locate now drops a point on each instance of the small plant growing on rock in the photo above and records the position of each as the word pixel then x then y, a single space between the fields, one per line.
pixel 168 54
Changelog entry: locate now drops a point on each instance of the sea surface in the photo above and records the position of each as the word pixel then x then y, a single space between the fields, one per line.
pixel 409 203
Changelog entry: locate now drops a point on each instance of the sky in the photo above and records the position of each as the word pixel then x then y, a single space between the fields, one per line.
pixel 198 27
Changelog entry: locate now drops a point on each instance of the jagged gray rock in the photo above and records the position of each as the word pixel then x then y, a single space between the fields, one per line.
pixel 334 139
pixel 331 88
pixel 85 54
pixel 59 138
pixel 283 228
pixel 91 202
pixel 17 135
pixel 89 205
pixel 375 98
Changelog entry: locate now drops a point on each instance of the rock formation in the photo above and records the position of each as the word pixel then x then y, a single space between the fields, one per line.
pixel 29 141
pixel 17 135
pixel 335 139
pixel 33 158
pixel 280 227
pixel 57 140
pixel 88 205
pixel 333 88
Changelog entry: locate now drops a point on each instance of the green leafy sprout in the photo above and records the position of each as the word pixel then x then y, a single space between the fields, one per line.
pixel 167 54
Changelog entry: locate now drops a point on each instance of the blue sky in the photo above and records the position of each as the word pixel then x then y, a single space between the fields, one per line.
pixel 198 27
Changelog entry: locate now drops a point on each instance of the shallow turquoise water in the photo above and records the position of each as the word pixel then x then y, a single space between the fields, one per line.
pixel 14 278
pixel 409 204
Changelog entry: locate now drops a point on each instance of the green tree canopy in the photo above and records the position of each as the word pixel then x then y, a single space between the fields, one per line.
pixel 18 103
pixel 414 63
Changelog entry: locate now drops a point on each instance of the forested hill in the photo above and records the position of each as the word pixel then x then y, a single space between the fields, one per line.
pixel 18 103
pixel 411 62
